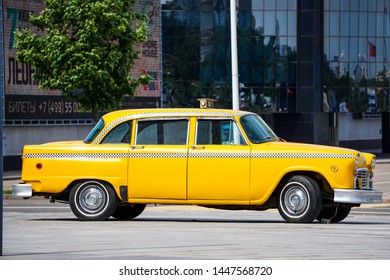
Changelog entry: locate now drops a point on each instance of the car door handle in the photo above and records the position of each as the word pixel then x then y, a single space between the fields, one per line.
pixel 137 147
pixel 198 147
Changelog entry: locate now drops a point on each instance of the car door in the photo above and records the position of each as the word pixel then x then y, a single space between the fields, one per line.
pixel 158 159
pixel 218 162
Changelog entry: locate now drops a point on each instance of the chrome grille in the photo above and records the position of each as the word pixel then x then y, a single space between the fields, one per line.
pixel 362 179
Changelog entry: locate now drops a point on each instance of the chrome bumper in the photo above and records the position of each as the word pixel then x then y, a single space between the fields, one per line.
pixel 22 190
pixel 357 196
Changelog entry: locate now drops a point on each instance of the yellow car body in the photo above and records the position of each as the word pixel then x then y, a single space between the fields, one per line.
pixel 215 158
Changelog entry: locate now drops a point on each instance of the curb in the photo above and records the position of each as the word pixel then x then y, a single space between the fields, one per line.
pixel 10 197
pixel 382 161
pixel 10 178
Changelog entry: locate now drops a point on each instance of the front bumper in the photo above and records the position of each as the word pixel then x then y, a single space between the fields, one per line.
pixel 22 190
pixel 357 196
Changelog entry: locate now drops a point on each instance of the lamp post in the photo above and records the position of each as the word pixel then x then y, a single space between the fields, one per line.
pixel 1 121
pixel 233 44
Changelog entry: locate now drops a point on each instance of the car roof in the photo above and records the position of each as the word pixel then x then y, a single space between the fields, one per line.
pixel 129 114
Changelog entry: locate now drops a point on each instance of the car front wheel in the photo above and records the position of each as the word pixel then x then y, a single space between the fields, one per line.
pixel 92 201
pixel 299 200
pixel 334 214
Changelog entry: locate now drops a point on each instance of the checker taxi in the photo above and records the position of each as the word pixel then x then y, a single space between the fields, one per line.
pixel 215 158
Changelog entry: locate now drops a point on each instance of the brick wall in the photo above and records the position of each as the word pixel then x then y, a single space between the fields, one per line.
pixel 150 57
pixel 18 76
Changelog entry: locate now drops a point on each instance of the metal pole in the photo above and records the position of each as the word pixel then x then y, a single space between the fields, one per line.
pixel 233 43
pixel 1 121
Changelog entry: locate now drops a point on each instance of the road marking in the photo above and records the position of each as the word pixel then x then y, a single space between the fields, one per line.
pixel 381 183
pixel 381 173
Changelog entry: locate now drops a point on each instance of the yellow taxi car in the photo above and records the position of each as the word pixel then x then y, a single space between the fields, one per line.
pixel 215 158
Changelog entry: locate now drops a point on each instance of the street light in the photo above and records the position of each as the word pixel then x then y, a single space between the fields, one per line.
pixel 233 44
pixel 1 120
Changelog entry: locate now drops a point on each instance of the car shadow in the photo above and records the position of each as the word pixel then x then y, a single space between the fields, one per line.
pixel 205 221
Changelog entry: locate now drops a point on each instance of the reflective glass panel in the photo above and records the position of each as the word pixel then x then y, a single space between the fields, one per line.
pixel 196 52
pixel 282 19
pixel 269 4
pixel 334 24
pixel 292 23
pixel 292 5
pixel 281 5
pixel 344 24
pixel 355 65
pixel 257 4
pixel 269 23
pixel 371 24
pixel 258 21
pixel 362 24
pixel 354 24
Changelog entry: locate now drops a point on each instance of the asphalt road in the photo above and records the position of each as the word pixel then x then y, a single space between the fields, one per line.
pixel 382 180
pixel 37 230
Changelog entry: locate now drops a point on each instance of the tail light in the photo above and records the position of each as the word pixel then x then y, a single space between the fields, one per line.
pixel 22 155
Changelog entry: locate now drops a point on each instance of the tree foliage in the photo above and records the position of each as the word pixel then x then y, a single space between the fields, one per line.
pixel 86 48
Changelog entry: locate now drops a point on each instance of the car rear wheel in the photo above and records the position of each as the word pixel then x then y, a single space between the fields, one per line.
pixel 299 200
pixel 92 201
pixel 128 211
pixel 334 214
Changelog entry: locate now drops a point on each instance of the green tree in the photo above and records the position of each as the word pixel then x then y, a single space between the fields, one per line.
pixel 86 49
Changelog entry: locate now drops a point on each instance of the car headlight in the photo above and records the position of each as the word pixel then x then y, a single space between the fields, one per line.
pixel 357 159
pixel 373 162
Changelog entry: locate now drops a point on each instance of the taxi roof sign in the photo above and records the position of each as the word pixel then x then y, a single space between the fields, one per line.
pixel 206 102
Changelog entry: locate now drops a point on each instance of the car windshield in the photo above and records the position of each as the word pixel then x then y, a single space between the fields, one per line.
pixel 94 132
pixel 257 130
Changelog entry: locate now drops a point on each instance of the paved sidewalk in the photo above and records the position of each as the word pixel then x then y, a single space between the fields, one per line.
pixel 11 175
pixel 383 158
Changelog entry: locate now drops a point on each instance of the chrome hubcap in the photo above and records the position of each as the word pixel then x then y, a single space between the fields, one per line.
pixel 295 200
pixel 92 199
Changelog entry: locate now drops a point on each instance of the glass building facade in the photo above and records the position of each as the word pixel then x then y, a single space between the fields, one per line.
pixel 356 55
pixel 298 59
pixel 197 54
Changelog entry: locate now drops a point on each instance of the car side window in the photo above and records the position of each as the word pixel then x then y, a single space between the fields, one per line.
pixel 218 132
pixel 162 132
pixel 119 134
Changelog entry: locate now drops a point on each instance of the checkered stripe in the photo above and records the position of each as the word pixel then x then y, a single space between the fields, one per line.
pixel 164 114
pixel 104 155
pixel 75 155
pixel 184 155
pixel 301 155
pixel 188 114
pixel 157 155
pixel 219 155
